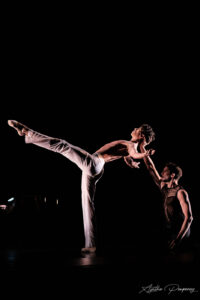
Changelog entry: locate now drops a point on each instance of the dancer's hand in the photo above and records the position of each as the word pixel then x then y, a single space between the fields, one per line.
pixel 131 162
pixel 135 164
pixel 150 152
pixel 173 244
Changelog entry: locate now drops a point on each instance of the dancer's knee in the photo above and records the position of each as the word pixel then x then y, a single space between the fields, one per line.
pixel 59 145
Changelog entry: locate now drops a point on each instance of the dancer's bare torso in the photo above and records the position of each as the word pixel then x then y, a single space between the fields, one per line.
pixel 116 150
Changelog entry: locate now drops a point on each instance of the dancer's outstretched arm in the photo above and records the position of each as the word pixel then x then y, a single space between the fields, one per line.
pixel 129 160
pixel 150 165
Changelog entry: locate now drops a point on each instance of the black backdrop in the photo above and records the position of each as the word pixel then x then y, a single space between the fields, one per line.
pixel 91 85
pixel 128 203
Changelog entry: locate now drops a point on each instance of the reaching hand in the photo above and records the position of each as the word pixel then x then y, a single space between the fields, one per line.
pixel 131 162
pixel 135 164
pixel 150 152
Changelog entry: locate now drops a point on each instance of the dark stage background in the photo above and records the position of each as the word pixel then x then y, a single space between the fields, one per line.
pixel 91 85
pixel 128 204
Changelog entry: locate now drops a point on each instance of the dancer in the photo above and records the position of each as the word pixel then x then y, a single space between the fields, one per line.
pixel 176 203
pixel 92 165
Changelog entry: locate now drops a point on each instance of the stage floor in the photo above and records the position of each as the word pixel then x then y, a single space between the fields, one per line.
pixel 112 271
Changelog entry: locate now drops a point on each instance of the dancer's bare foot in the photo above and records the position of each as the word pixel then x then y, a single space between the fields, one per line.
pixel 88 250
pixel 21 129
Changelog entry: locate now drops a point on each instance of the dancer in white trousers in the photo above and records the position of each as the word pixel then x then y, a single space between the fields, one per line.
pixel 92 165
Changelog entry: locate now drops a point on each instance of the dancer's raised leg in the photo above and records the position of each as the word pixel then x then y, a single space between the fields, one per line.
pixel 92 170
pixel 20 128
pixel 91 164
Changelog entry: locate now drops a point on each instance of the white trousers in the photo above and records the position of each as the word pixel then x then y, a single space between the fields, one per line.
pixel 92 167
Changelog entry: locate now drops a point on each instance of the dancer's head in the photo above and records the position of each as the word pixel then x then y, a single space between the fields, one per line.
pixel 171 171
pixel 144 132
